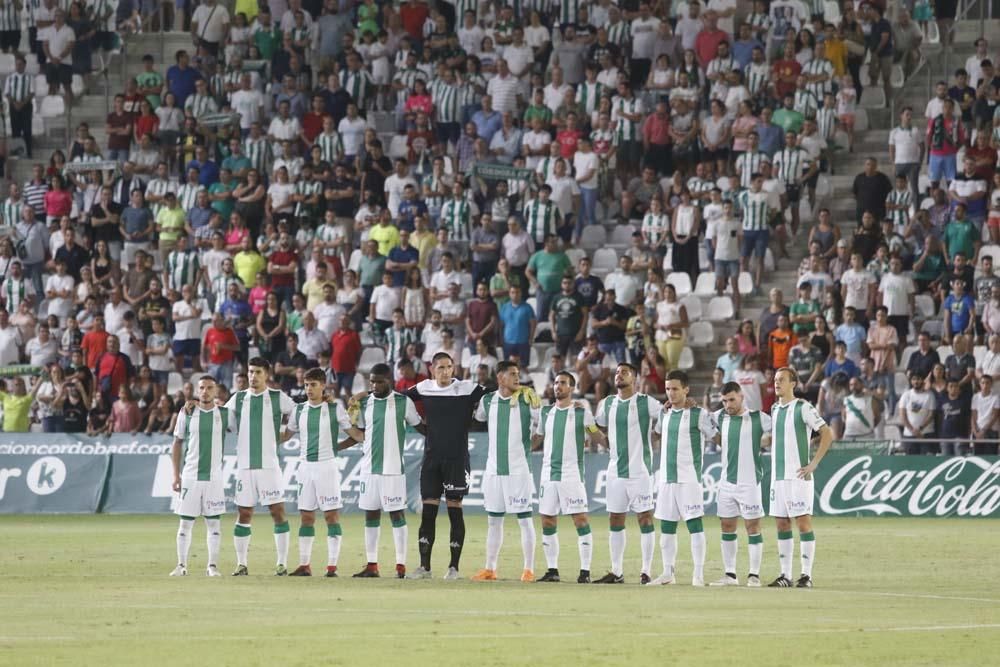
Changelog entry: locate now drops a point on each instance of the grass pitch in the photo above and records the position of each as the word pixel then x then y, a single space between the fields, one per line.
pixel 93 590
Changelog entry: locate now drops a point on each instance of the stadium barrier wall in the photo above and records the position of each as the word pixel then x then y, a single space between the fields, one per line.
pixel 63 473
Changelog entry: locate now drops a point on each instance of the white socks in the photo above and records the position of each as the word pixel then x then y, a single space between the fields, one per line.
pixel 371 542
pixel 550 546
pixel 333 536
pixel 494 540
pixel 698 548
pixel 807 551
pixel 585 543
pixel 729 549
pixel 400 535
pixel 527 541
pixel 668 551
pixel 617 543
pixel 647 543
pixel 305 548
pixel 281 541
pixel 786 546
pixel 214 539
pixel 756 550
pixel 241 540
pixel 184 531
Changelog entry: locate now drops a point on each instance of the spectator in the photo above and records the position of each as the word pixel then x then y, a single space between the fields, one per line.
pixel 985 417
pixel 345 352
pixel 518 330
pixel 17 405
pixel 545 271
pixel 870 189
pixel 112 371
pixel 955 418
pixel 960 366
pixel 218 350
pixel 959 311
pixel 861 411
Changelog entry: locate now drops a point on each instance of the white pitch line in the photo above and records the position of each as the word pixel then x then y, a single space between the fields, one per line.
pixel 920 596
pixel 666 634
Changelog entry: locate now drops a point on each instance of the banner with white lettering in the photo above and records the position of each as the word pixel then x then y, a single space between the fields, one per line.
pixel 121 474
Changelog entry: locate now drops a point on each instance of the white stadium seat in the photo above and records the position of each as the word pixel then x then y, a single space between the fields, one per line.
pixel 593 237
pixel 575 255
pixel 831 12
pixel 53 106
pixel 992 251
pixel 979 352
pixel 621 236
pixel 768 260
pixel 369 357
pixel 6 63
pixel 861 118
pixel 686 361
pixel 902 383
pixel 933 327
pixel 897 79
pixel 904 358
pixel 354 263
pixel 872 97
pixel 398 147
pixel 692 305
pixel 701 334
pixel 175 382
pixel 681 282
pixel 41 86
pixel 944 351
pixel 933 34
pixel 720 308
pixel 745 283
pixel 924 304
pixel 605 261
pixel 705 286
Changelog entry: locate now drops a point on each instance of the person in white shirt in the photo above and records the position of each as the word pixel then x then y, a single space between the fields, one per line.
pixel 248 102
pixel 187 329
pixel 985 418
pixel 555 92
pixel 396 184
pixel 59 292
pixel 565 190
pixel 283 127
pixel 896 292
pixel 586 166
pixel 726 11
pixel 906 150
pixel 916 410
pixel 352 133
pixel 857 289
pixel 536 144
pixel 470 35
pixel 624 283
pixel 974 63
pixel 209 25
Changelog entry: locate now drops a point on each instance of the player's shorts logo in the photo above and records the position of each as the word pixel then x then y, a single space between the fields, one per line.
pixel 392 499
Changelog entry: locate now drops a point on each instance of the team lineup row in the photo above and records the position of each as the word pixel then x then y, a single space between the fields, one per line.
pixel 626 422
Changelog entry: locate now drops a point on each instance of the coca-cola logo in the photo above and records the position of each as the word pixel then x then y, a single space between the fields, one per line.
pixel 965 487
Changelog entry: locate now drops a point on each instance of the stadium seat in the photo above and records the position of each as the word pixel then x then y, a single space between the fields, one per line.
pixel 6 64
pixel 904 358
pixel 926 203
pixel 861 118
pixel 77 85
pixel 902 383
pixel 933 327
pixel 745 283
pixel 593 237
pixel 354 263
pixel 720 309
pixel 53 106
pixel 924 305
pixel 692 304
pixel 872 97
pixel 933 34
pixel 369 357
pixel 923 184
pixel 768 260
pixel 723 183
pixel 992 251
pixel 175 382
pixel 575 255
pixel 668 260
pixel 466 357
pixel 621 236
pixel 534 359
pixel 360 383
pixel 31 64
pixel 944 351
pixel 823 187
pixel 533 302
pixel 605 261
pixel 705 286
pixel 539 380
pixel 41 86
pixel 702 258
pixel 398 148
pixel 550 351
pixel 686 361
pixel 701 334
pixel 681 282
pixel 897 79
pixel 979 352
pixel 467 287
pixel 831 12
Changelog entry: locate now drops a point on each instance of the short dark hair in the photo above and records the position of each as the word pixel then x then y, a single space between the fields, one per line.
pixel 316 375
pixel 572 380
pixel 207 377
pixel 731 388
pixel 381 369
pixel 439 356
pixel 504 366
pixel 678 375
pixel 628 366
pixel 260 362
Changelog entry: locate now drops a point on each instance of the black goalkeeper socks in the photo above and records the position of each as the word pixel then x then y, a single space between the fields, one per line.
pixel 457 535
pixel 428 522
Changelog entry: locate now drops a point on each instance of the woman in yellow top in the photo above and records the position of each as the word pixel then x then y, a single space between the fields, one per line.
pixel 385 234
pixel 248 263
pixel 17 406
pixel 836 51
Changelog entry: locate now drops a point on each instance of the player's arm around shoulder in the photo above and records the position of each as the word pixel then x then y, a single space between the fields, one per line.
pixel 816 423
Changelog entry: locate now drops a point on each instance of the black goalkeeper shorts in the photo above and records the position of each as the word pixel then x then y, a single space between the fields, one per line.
pixel 449 477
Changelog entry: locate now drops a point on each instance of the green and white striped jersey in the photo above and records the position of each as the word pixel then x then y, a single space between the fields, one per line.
pixel 309 189
pixel 755 210
pixel 684 433
pixel 159 187
pixel 790 164
pixel 183 268
pixel 749 164
pixel 819 66
pixel 203 433
pixel 805 103
pixel 258 426
pixel 741 436
pixel 655 227
pixel 625 129
pixel 259 152
pixel 900 217
pixel 569 11
pixel 509 423
pixel 792 425
pixel 187 195
pixel 826 122
pixel 19 87
pixel 619 33
pixel 447 102
pixel 358 84
pixel 328 233
pixel 722 66
pixel 16 291
pixel 220 287
pixel 757 75
pixel 10 211
pixel 330 146
pixel 396 342
pixel 10 18
pixel 384 421
pixel 588 95
pixel 565 433
pixel 199 105
pixel 541 218
pixel 320 428
pixel 630 425
pixel 408 78
pixel 456 216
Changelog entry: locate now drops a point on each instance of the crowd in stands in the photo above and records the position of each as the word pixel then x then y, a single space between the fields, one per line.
pixel 310 179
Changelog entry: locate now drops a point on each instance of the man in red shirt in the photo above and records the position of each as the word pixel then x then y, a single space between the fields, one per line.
pixel 706 44
pixel 656 139
pixel 112 369
pixel 785 72
pixel 568 137
pixel 282 267
pixel 312 122
pixel 345 352
pixel 413 15
pixel 218 350
pixel 409 378
pixel 95 342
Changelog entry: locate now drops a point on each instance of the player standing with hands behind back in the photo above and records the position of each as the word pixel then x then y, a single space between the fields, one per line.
pixel 793 421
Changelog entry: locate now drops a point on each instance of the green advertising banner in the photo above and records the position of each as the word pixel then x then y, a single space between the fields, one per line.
pixel 63 473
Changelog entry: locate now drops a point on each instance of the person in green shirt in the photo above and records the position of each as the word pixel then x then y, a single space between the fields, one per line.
pixel 268 37
pixel 221 193
pixel 538 109
pixel 960 235
pixel 787 118
pixel 371 268
pixel 17 406
pixel 237 162
pixel 803 312
pixel 149 82
pixel 502 281
pixel 568 317
pixel 545 271
pixel 929 265
pixel 385 234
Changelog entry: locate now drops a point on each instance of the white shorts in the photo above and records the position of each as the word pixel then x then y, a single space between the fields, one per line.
pixel 556 498
pixel 740 500
pixel 383 492
pixel 677 501
pixel 319 486
pixel 507 493
pixel 791 498
pixel 201 498
pixel 630 495
pixel 262 486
